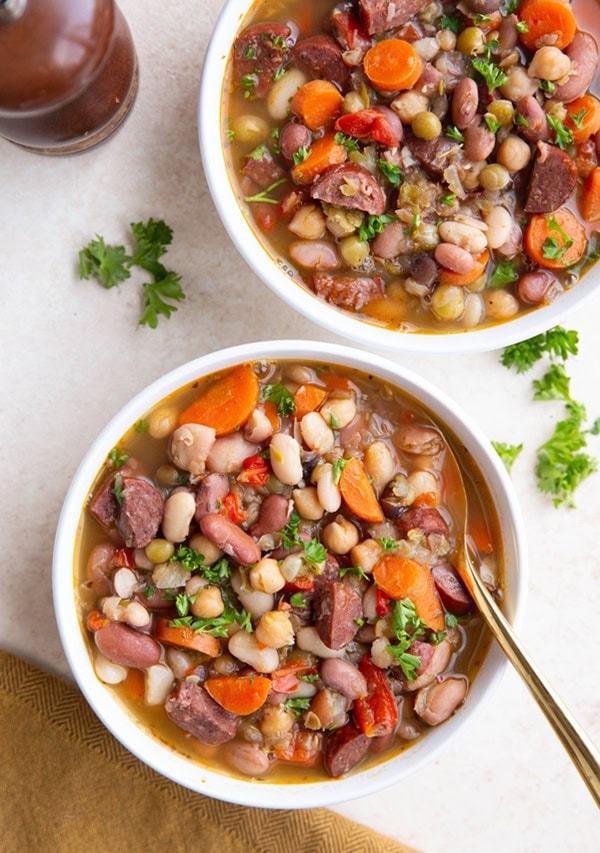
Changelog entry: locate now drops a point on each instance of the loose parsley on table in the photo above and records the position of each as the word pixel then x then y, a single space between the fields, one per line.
pixel 111 265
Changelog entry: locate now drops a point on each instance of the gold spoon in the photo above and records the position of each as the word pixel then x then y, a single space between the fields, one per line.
pixel 580 749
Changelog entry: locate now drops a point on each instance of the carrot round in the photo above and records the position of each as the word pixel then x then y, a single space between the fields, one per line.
pixel 590 198
pixel 555 240
pixel 307 398
pixel 393 64
pixel 323 153
pixel 187 638
pixel 318 103
pixel 399 577
pixel 548 22
pixel 227 404
pixel 239 694
pixel 583 118
pixel 462 279
pixel 358 492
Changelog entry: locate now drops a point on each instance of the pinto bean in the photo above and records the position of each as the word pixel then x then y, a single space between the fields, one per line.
pixel 482 7
pixel 432 665
pixel 248 759
pixel 513 244
pixel 479 142
pixel 343 676
pixel 508 35
pixel 536 126
pixel 230 538
pixel 419 440
pixel 465 101
pixel 125 646
pixel 314 254
pixel 434 704
pixel 292 137
pixel 583 53
pixel 454 258
pixel 533 286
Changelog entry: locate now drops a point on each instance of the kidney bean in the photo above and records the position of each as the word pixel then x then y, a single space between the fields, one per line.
pixel 343 676
pixel 391 242
pixel 211 492
pixel 230 538
pixel 533 286
pixel 314 254
pixel 537 122
pixel 583 53
pixel 248 759
pixel 98 569
pixel 423 270
pixel 272 515
pixel 482 7
pixel 434 704
pixel 508 35
pixel 478 142
pixel 292 137
pixel 454 258
pixel 465 101
pixel 127 647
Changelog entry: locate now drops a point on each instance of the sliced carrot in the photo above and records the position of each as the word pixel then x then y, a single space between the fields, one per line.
pixel 590 199
pixel 317 104
pixel 134 684
pixel 285 679
pixel 358 492
pixel 187 638
pixel 399 577
pixel 270 410
pixel 392 64
pixel 555 240
pixel 549 22
pixel 239 694
pixel 323 153
pixel 462 279
pixel 227 404
pixel 96 620
pixel 583 118
pixel 333 381
pixel 307 398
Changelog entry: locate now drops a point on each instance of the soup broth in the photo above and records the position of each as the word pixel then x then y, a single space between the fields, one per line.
pixel 266 571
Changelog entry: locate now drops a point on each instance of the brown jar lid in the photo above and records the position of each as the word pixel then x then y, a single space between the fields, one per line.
pixel 51 51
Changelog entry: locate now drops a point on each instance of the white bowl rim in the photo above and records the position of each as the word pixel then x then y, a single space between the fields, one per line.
pixel 323 314
pixel 162 758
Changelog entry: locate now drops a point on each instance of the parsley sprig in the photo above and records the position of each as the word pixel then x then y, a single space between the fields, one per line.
pixel 408 627
pixel 111 265
pixel 281 396
pixel 314 552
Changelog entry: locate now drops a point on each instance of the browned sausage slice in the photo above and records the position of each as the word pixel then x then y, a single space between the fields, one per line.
pixel 379 16
pixel 193 710
pixel 423 518
pixel 336 607
pixel 262 168
pixel 347 291
pixel 140 510
pixel 320 57
pixel 553 179
pixel 343 749
pixel 350 185
pixel 257 54
pixel 455 597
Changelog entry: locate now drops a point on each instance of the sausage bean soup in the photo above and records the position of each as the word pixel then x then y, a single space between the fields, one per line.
pixel 267 574
pixel 426 166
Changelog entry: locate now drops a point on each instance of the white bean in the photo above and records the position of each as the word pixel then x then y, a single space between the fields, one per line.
pixel 474 311
pixel 425 483
pixel 308 640
pixel 135 614
pixel 286 462
pixel 258 427
pixel 254 601
pixel 408 105
pixel 109 672
pixel 282 91
pixel 380 653
pixel 266 576
pixel 124 582
pixel 228 452
pixel 307 503
pixel 338 412
pixel 315 433
pixel 370 604
pixel 328 491
pixel 161 422
pixel 177 516
pixel 466 236
pixel 340 536
pixel 157 684
pixel 189 447
pixel 308 222
pixel 499 223
pixel 380 463
pixel 275 630
pixel 291 566
pixel 244 647
pixel 179 661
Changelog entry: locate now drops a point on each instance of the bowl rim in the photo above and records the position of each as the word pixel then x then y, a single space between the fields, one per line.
pixel 165 760
pixel 274 275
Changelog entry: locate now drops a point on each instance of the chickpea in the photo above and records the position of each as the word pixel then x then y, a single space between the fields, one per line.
pixel 340 535
pixel 354 251
pixel 503 111
pixel 408 105
pixel 513 153
pixel 308 222
pixel 471 41
pixel 161 422
pixel 424 483
pixel 250 129
pixel 549 63
pixel 266 576
pixel 275 629
pixel 339 411
pixel 500 305
pixel 307 503
pixel 276 721
pixel 447 302
pixel 353 102
pixel 211 552
pixel 208 603
pixel 446 39
pixel 366 554
pixel 426 125
pixel 494 177
pixel 159 550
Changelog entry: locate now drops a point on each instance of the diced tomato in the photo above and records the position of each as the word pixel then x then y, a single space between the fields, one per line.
pixel 368 123
pixel 291 202
pixel 265 216
pixel 123 558
pixel 377 713
pixel 383 603
pixel 255 471
pixel 96 620
pixel 301 583
pixel 232 507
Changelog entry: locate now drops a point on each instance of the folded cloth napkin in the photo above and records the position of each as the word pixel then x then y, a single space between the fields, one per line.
pixel 67 786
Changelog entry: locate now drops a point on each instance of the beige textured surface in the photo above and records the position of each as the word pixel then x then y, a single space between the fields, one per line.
pixel 71 356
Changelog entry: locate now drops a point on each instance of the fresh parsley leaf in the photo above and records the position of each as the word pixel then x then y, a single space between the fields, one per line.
pixel 386 543
pixel 373 225
pixel 298 600
pixel 118 489
pixel 155 295
pixel 289 534
pixel 561 466
pixel 263 195
pixel 492 122
pixel 281 396
pixel 193 561
pixel 338 466
pixel 493 76
pixel 309 677
pixel 578 119
pixel 349 142
pixel 454 133
pixel 448 199
pixel 503 274
pixel 451 620
pixel 297 706
pixel 279 72
pixel 152 238
pixel 248 83
pixel 107 264
pixel 508 453
pixel 562 135
pixel 314 552
pixel 522 27
pixel 141 425
pixel 391 171
pixel 554 385
pixel 556 342
pixel 407 628
pixel 118 457
pixel 182 604
pixel 451 22
pixel 358 571
pixel 300 155
pixel 547 87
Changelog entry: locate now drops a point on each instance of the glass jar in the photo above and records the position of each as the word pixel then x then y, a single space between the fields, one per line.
pixel 68 73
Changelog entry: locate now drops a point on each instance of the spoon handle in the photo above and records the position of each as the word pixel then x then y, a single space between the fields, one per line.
pixel 580 749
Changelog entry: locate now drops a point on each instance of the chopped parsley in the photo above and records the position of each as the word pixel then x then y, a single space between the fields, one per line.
pixel 578 119
pixel 407 627
pixel 338 466
pixel 298 706
pixel 263 195
pixel 349 142
pixel 141 425
pixel 386 543
pixel 391 171
pixel 281 396
pixel 562 135
pixel 451 22
pixel 300 155
pixel 298 600
pixel 118 489
pixel 547 87
pixel 493 76
pixel 118 457
pixel 314 552
pixel 193 561
pixel 508 453
pixel 448 199
pixel 358 571
pixel 373 225
pixel 503 273
pixel 492 122
pixel 454 133
pixel 554 248
pixel 248 83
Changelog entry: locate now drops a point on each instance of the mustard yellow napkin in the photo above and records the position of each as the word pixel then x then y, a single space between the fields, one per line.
pixel 67 786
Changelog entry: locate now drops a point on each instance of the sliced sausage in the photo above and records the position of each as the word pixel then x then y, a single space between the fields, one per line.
pixel 272 516
pixel 140 511
pixel 426 519
pixel 262 168
pixel 125 646
pixel 348 291
pixel 104 505
pixel 343 749
pixel 258 52
pixel 455 597
pixel 196 712
pixel 211 492
pixel 583 53
pixel 431 154
pixel 350 185
pixel 320 57
pixel 379 16
pixel 336 608
pixel 230 538
pixel 349 32
pixel 553 179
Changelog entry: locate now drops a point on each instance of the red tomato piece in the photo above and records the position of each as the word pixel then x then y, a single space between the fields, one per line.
pixel 377 713
pixel 368 123
pixel 255 471
pixel 232 507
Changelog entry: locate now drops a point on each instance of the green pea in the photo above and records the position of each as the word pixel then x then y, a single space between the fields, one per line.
pixel 426 125
pixel 159 550
pixel 471 42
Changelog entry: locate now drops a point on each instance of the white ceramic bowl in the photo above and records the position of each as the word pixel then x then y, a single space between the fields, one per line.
pixel 154 752
pixel 279 274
